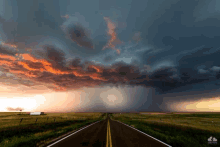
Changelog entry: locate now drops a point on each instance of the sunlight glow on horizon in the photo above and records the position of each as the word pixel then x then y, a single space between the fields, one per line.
pixel 27 103
pixel 208 105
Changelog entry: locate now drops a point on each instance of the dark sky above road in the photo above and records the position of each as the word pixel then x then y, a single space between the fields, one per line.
pixel 101 55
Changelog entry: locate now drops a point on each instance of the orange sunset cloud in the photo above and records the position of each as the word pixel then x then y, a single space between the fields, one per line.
pixel 111 32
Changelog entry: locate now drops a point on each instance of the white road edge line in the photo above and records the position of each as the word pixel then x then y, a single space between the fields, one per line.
pixel 71 134
pixel 145 134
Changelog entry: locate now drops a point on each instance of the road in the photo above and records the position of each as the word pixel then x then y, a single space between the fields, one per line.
pixel 108 133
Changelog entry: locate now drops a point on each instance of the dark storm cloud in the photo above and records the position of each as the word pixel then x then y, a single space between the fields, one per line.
pixel 173 27
pixel 77 74
pixel 121 73
pixel 74 75
pixel 2 20
pixel 7 50
pixel 169 78
pixel 79 35
pixel 108 58
pixel 75 63
pixel 198 58
pixel 44 18
pixel 8 29
pixel 162 79
pixel 186 46
pixel 177 26
pixel 56 56
pixel 200 66
pixel 218 75
pixel 35 18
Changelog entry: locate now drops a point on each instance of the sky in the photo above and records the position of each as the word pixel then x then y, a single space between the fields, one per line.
pixel 109 56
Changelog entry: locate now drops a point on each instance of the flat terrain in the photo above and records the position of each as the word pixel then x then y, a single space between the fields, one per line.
pixel 176 129
pixel 39 130
pixel 121 136
pixel 9 119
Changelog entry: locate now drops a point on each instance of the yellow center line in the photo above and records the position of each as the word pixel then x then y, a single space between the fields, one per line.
pixel 109 139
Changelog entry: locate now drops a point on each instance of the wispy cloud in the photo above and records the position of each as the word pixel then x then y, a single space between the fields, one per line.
pixel 111 32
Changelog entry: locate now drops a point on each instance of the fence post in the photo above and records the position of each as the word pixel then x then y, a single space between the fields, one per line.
pixel 54 119
pixel 36 120
pixel 20 121
pixel 47 118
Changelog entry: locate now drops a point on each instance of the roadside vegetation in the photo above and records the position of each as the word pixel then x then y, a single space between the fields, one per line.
pixel 177 130
pixel 29 132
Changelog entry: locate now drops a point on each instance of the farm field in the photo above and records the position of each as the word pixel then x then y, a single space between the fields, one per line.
pixel 22 129
pixel 176 129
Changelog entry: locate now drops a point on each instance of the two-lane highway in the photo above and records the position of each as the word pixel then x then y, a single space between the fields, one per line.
pixel 108 133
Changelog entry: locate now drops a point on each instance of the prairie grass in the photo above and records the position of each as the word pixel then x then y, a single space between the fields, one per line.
pixel 177 130
pixel 14 118
pixel 28 133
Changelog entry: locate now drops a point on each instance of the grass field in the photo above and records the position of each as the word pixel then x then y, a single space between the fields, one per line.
pixel 39 130
pixel 176 129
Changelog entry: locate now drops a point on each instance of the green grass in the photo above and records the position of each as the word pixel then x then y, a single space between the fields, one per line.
pixel 37 139
pixel 41 133
pixel 177 130
pixel 9 119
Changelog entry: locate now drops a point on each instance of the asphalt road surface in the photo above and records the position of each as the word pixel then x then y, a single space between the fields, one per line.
pixel 108 133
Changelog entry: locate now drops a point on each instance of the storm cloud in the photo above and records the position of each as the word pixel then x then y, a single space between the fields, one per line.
pixel 168 46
